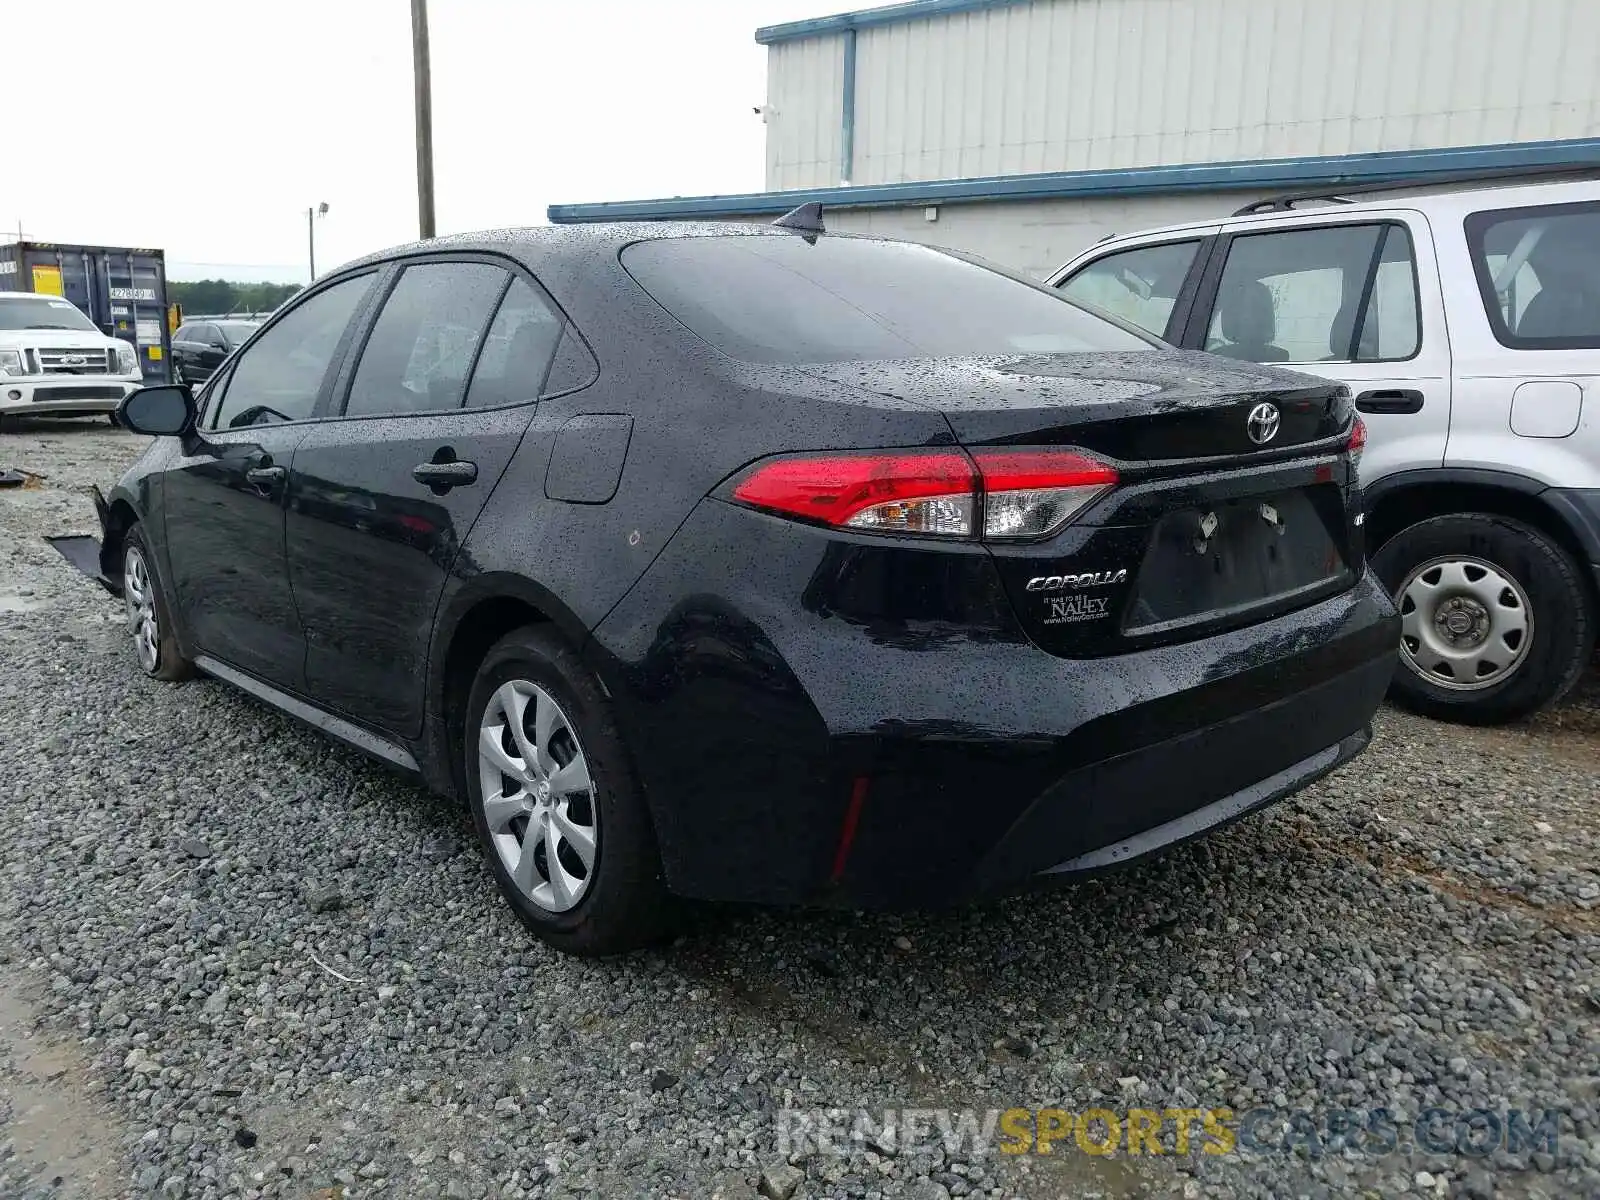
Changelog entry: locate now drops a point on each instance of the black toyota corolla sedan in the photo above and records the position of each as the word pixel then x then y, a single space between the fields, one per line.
pixel 762 564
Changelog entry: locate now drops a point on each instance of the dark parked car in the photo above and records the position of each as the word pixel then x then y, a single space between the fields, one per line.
pixel 755 564
pixel 198 347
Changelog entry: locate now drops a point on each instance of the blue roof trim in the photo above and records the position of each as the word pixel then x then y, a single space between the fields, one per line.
pixel 1285 173
pixel 866 18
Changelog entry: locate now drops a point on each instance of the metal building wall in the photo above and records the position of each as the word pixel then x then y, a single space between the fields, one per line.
pixel 1066 85
pixel 1031 236
pixel 805 89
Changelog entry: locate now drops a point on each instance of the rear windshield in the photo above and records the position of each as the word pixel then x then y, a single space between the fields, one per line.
pixel 786 300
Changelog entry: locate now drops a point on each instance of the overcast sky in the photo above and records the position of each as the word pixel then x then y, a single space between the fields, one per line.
pixel 207 127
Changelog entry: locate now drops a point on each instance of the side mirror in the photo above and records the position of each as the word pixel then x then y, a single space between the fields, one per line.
pixel 163 411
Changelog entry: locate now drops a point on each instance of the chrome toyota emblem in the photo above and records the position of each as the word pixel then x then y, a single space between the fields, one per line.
pixel 1262 423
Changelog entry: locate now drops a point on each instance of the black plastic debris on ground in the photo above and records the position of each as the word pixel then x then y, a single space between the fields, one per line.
pixel 84 555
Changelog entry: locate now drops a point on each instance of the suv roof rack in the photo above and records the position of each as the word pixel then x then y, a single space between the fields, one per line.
pixel 1287 201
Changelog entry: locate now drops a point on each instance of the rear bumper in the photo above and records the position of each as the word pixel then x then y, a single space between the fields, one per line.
pixel 63 395
pixel 1131 781
pixel 795 747
pixel 1216 814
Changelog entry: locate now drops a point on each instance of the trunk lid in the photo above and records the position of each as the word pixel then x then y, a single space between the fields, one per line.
pixel 1135 407
pixel 1236 499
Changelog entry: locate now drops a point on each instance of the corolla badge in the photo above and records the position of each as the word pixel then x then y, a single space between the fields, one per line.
pixel 1056 583
pixel 1262 423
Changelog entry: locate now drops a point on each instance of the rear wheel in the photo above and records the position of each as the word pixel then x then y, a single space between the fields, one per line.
pixel 554 801
pixel 149 618
pixel 1496 619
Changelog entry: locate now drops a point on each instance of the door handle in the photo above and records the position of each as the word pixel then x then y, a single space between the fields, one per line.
pixel 1390 400
pixel 266 476
pixel 443 476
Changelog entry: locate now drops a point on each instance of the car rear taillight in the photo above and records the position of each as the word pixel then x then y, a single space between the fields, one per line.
pixel 904 492
pixel 1019 493
pixel 1358 440
pixel 1031 493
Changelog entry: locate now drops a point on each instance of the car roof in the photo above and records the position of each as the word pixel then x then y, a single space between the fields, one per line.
pixel 536 242
pixel 1443 199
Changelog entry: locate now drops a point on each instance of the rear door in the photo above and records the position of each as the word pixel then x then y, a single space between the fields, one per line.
pixel 180 352
pixel 424 422
pixel 213 349
pixel 1357 301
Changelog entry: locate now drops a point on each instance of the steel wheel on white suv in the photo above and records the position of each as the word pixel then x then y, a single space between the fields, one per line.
pixel 1497 620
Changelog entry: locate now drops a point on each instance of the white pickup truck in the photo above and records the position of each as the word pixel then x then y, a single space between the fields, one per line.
pixel 54 361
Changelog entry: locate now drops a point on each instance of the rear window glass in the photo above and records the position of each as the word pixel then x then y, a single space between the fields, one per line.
pixel 1539 273
pixel 786 300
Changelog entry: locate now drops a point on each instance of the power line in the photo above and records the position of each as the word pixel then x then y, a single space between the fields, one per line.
pixel 266 266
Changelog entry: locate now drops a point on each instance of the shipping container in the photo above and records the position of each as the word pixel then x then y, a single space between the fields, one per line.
pixel 121 289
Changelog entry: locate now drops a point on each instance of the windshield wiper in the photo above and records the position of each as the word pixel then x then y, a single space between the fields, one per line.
pixel 73 328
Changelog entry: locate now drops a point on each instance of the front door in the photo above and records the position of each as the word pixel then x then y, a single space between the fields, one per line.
pixel 382 498
pixel 228 566
pixel 227 494
pixel 1357 302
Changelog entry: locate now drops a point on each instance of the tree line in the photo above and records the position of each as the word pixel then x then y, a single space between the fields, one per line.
pixel 216 296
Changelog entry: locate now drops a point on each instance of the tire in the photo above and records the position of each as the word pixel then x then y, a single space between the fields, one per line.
pixel 149 616
pixel 617 900
pixel 1465 585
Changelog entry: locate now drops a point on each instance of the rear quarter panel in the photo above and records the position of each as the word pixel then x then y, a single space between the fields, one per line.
pixel 1488 373
pixel 697 417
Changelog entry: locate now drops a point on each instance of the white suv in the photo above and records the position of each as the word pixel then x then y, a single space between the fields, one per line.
pixel 1466 320
pixel 54 361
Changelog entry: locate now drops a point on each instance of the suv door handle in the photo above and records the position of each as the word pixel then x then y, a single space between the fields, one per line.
pixel 442 476
pixel 1390 400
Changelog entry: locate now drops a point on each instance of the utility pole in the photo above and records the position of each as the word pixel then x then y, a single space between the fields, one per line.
pixel 419 59
pixel 312 214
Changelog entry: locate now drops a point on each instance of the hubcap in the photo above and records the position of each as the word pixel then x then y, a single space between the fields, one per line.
pixel 538 797
pixel 1465 623
pixel 138 598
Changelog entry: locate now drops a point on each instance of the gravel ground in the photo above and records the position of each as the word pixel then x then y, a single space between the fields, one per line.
pixel 1422 929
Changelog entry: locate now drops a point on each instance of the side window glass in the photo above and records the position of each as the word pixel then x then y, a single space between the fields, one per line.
pixel 206 398
pixel 1140 286
pixel 423 342
pixel 1305 294
pixel 574 367
pixel 516 354
pixel 1390 328
pixel 279 377
pixel 182 335
pixel 1539 273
